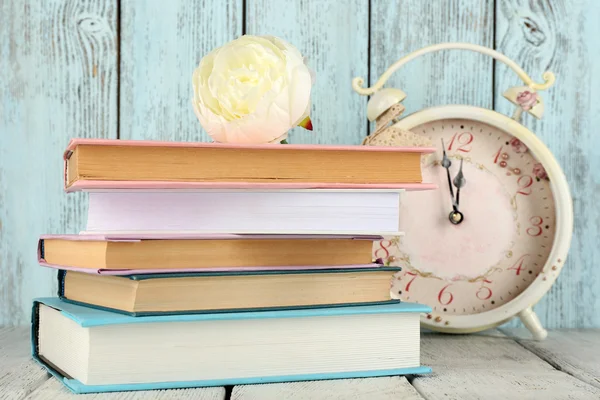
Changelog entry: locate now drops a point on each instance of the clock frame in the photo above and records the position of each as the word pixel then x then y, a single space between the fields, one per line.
pixel 522 304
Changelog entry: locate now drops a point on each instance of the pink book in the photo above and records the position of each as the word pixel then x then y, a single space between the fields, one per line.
pixel 136 238
pixel 375 167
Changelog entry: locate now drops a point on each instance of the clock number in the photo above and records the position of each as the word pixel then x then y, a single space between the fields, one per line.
pixel 518 266
pixel 445 297
pixel 463 141
pixel 497 155
pixel 536 226
pixel 484 292
pixel 414 276
pixel 525 183
pixel 383 246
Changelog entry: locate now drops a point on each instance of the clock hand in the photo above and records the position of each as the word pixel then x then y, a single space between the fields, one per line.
pixel 459 181
pixel 456 217
pixel 446 163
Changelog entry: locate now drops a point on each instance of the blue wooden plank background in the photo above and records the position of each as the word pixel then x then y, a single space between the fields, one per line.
pixel 122 68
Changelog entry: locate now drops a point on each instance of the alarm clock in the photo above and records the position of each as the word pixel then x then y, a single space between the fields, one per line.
pixel 492 239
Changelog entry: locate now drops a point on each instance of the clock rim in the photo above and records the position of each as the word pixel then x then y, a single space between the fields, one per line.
pixel 564 217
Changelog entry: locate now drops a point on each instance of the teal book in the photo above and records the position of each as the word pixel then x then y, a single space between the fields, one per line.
pixel 227 291
pixel 93 350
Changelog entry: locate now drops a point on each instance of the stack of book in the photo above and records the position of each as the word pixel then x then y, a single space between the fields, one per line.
pixel 209 265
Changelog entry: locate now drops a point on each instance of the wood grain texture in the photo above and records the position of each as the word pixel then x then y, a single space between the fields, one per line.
pixel 490 384
pixel 22 380
pixel 477 352
pixel 58 62
pixel 561 36
pixel 333 35
pixel 386 388
pixel 491 366
pixel 53 389
pixel 14 346
pixel 576 352
pixel 19 375
pixel 162 42
pixel 66 73
pixel 450 77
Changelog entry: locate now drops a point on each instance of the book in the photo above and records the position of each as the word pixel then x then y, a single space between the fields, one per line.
pixel 227 291
pixel 241 211
pixel 103 163
pixel 91 350
pixel 173 252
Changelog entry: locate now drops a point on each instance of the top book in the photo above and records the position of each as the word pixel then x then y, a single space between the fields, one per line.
pixel 127 164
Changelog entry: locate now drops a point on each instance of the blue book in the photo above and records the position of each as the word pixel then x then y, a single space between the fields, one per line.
pixel 92 350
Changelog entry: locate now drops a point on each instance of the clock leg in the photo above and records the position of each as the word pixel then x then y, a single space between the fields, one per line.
pixel 532 322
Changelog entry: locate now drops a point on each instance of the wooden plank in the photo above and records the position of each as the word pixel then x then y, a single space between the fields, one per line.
pixel 162 42
pixel 15 347
pixel 386 388
pixel 490 384
pixel 19 375
pixel 491 366
pixel 53 389
pixel 58 61
pixel 333 35
pixel 481 351
pixel 538 37
pixel 448 77
pixel 22 379
pixel 574 351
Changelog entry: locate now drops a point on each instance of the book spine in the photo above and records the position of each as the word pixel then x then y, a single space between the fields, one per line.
pixel 35 320
pixel 61 283
pixel 41 250
pixel 66 157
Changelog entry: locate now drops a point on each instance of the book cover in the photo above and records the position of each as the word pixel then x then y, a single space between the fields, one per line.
pixel 137 237
pixel 232 290
pixel 86 317
pixel 83 183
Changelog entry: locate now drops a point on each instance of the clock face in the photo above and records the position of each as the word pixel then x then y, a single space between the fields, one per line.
pixel 505 238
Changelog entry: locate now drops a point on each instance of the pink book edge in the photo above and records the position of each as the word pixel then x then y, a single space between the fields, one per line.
pixel 151 143
pixel 136 237
pixel 90 184
pixel 166 271
pixel 43 262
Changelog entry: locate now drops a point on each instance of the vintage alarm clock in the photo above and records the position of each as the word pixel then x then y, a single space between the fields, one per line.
pixel 492 239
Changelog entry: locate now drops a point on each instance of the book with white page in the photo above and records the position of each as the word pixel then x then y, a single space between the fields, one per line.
pixel 91 350
pixel 317 211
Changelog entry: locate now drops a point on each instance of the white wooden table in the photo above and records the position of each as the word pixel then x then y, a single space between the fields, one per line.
pixel 493 365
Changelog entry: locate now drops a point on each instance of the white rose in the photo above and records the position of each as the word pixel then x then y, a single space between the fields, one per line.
pixel 252 90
